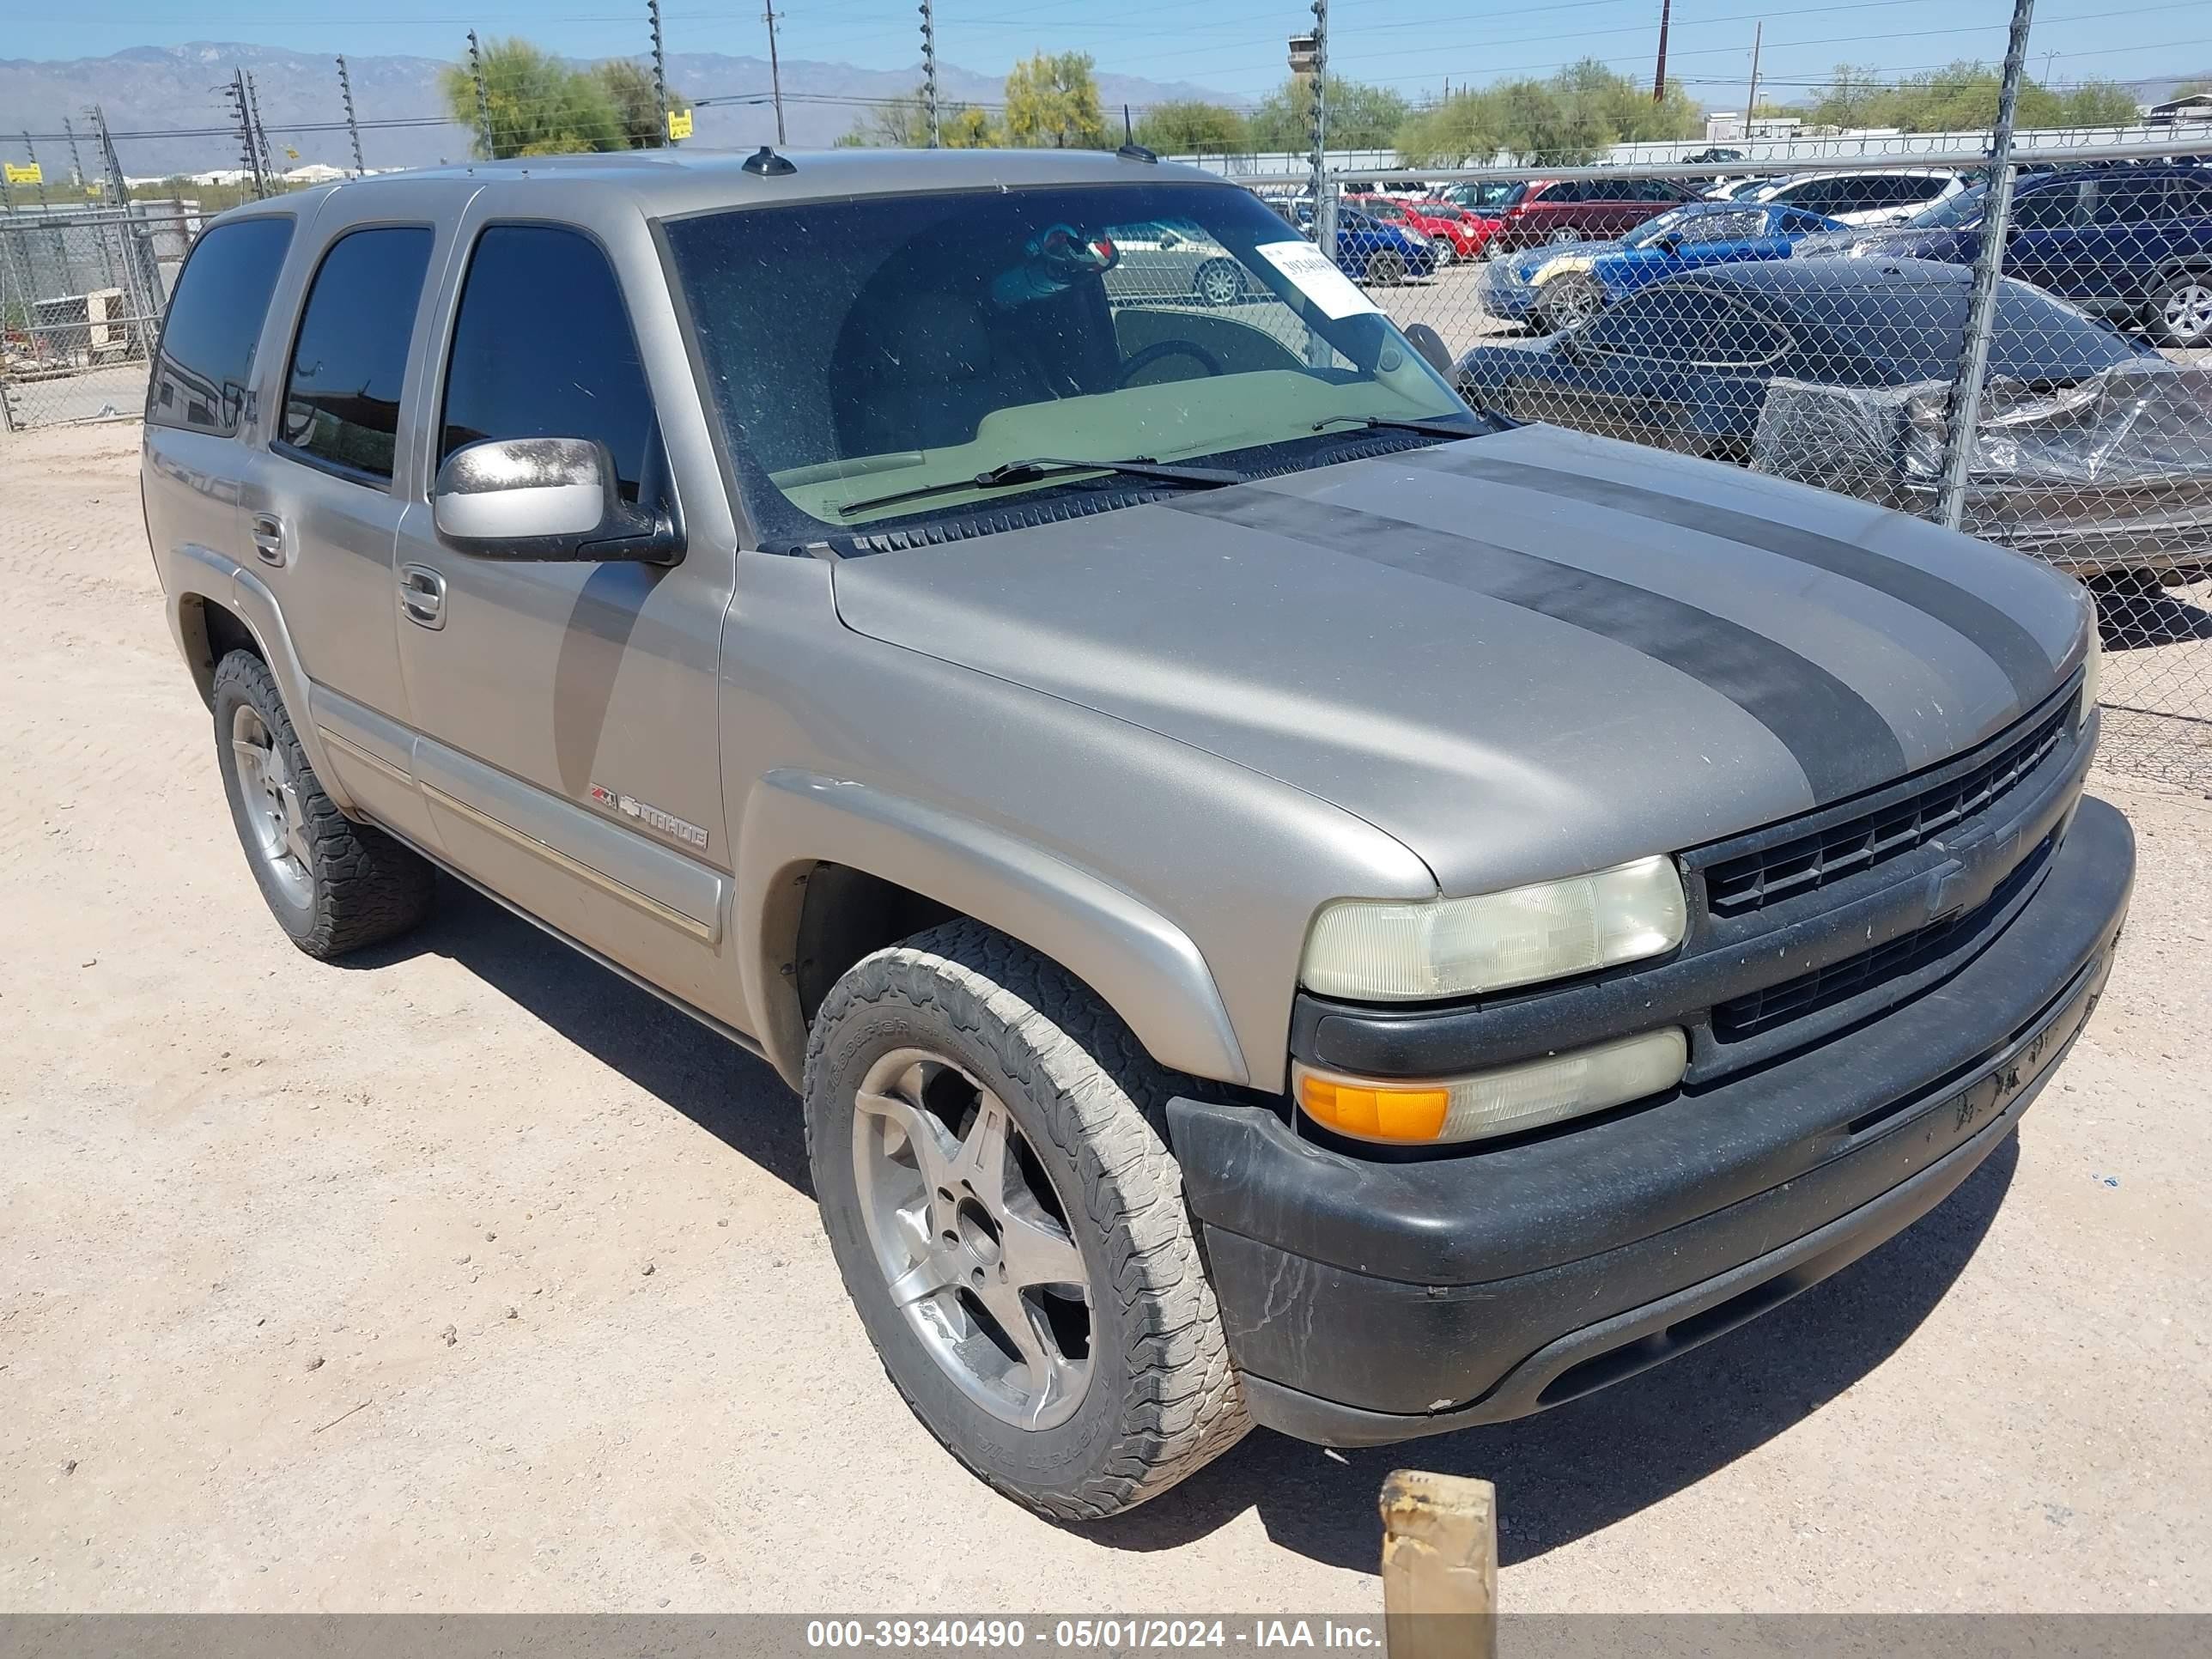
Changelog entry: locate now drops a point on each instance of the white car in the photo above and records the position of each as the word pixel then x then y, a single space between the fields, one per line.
pixel 1884 196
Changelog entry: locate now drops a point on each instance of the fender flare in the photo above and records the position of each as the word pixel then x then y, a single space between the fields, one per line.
pixel 201 574
pixel 1147 969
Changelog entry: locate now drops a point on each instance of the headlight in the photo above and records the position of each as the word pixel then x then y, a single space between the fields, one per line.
pixel 1506 1100
pixel 1399 950
pixel 2093 676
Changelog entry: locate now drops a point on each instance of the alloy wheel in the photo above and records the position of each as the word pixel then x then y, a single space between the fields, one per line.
pixel 269 799
pixel 972 1238
pixel 2188 311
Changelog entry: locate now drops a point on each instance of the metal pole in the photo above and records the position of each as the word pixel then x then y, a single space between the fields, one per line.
pixel 929 70
pixel 353 126
pixel 247 151
pixel 1960 412
pixel 1324 191
pixel 1751 94
pixel 1659 74
pixel 76 157
pixel 775 73
pixel 260 133
pixel 484 99
pixel 659 73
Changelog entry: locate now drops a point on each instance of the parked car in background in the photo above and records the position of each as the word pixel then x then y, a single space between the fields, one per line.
pixel 1883 196
pixel 1581 210
pixel 1369 249
pixel 1170 259
pixel 1456 233
pixel 2133 245
pixel 2095 452
pixel 1550 288
pixel 1738 189
pixel 1484 196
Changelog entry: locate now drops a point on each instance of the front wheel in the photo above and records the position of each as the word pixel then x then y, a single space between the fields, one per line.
pixel 1386 269
pixel 1220 282
pixel 1569 302
pixel 2181 313
pixel 986 1147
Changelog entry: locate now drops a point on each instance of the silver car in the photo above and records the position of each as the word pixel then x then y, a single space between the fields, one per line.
pixel 1282 898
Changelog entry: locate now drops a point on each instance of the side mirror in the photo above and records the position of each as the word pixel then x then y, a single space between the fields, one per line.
pixel 1430 344
pixel 1667 242
pixel 545 499
pixel 1169 239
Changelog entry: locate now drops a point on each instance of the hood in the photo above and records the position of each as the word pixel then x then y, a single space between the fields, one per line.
pixel 1523 655
pixel 1526 266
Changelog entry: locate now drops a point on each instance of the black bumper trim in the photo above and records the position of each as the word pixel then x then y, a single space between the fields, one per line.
pixel 1404 1290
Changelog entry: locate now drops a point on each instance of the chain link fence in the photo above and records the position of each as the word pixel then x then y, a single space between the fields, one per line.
pixel 81 295
pixel 1818 325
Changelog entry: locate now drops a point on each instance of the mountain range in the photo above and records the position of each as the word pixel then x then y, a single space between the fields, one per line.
pixel 174 96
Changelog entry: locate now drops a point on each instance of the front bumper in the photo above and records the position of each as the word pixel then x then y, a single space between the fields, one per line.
pixel 1368 1301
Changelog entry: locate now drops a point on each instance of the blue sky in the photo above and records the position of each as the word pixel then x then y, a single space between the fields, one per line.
pixel 1235 45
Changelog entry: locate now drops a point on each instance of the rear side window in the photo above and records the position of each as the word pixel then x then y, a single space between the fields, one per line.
pixel 206 356
pixel 342 397
pixel 542 349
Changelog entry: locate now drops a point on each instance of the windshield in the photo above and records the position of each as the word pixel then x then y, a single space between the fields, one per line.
pixel 862 348
pixel 1963 209
pixel 1489 193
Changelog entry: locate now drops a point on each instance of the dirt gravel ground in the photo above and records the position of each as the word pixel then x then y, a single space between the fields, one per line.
pixel 465 1277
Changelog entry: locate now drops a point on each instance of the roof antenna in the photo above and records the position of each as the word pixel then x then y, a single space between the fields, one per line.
pixel 1131 151
pixel 768 164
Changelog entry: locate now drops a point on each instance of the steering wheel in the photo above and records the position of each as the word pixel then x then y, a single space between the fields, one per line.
pixel 1159 349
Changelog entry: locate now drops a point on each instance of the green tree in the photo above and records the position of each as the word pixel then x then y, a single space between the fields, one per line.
pixel 2101 104
pixel 1573 118
pixel 539 104
pixel 628 87
pixel 1850 100
pixel 1052 103
pixel 903 124
pixel 1360 117
pixel 1193 128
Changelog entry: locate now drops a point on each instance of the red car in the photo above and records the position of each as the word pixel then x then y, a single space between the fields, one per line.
pixel 1582 209
pixel 1451 226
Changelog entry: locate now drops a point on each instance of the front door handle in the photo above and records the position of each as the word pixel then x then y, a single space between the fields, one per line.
pixel 268 533
pixel 422 595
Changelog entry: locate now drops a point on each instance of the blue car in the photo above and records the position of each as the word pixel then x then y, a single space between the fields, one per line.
pixel 1562 286
pixel 2132 244
pixel 1368 249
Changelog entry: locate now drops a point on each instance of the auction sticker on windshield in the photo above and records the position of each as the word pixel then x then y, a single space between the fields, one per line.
pixel 1316 278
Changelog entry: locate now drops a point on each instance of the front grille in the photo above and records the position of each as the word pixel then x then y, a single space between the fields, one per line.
pixel 1902 957
pixel 1766 874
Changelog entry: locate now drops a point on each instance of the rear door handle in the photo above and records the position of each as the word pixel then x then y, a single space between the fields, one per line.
pixel 268 531
pixel 422 595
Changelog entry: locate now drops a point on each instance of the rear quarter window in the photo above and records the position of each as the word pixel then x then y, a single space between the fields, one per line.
pixel 205 359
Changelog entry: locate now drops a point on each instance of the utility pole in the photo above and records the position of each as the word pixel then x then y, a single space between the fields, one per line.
pixel 1659 74
pixel 353 127
pixel 660 71
pixel 775 73
pixel 1324 193
pixel 248 152
pixel 260 132
pixel 1958 414
pixel 1751 97
pixel 77 156
pixel 483 98
pixel 929 70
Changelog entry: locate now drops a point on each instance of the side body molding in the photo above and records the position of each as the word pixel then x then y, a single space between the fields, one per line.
pixel 1148 970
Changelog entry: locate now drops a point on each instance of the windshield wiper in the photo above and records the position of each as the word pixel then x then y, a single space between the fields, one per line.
pixel 1038 468
pixel 1442 427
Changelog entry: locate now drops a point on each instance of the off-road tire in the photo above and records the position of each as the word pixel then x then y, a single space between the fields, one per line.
pixel 365 887
pixel 1162 1399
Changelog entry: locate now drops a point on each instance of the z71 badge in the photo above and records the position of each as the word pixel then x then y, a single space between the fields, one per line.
pixel 651 816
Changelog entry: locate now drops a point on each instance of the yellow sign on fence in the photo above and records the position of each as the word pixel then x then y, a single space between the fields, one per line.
pixel 680 123
pixel 18 175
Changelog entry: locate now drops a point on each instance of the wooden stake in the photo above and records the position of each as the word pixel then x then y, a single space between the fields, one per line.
pixel 1439 1567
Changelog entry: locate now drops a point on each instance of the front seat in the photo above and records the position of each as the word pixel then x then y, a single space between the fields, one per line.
pixel 924 375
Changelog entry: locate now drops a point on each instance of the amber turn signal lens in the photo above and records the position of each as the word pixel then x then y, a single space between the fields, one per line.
pixel 1373 1112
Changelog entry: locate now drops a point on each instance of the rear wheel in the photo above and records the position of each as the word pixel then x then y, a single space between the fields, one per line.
pixel 1386 268
pixel 988 1151
pixel 2181 312
pixel 333 886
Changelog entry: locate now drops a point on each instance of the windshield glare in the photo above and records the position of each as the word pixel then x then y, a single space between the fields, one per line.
pixel 865 346
pixel 1963 209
